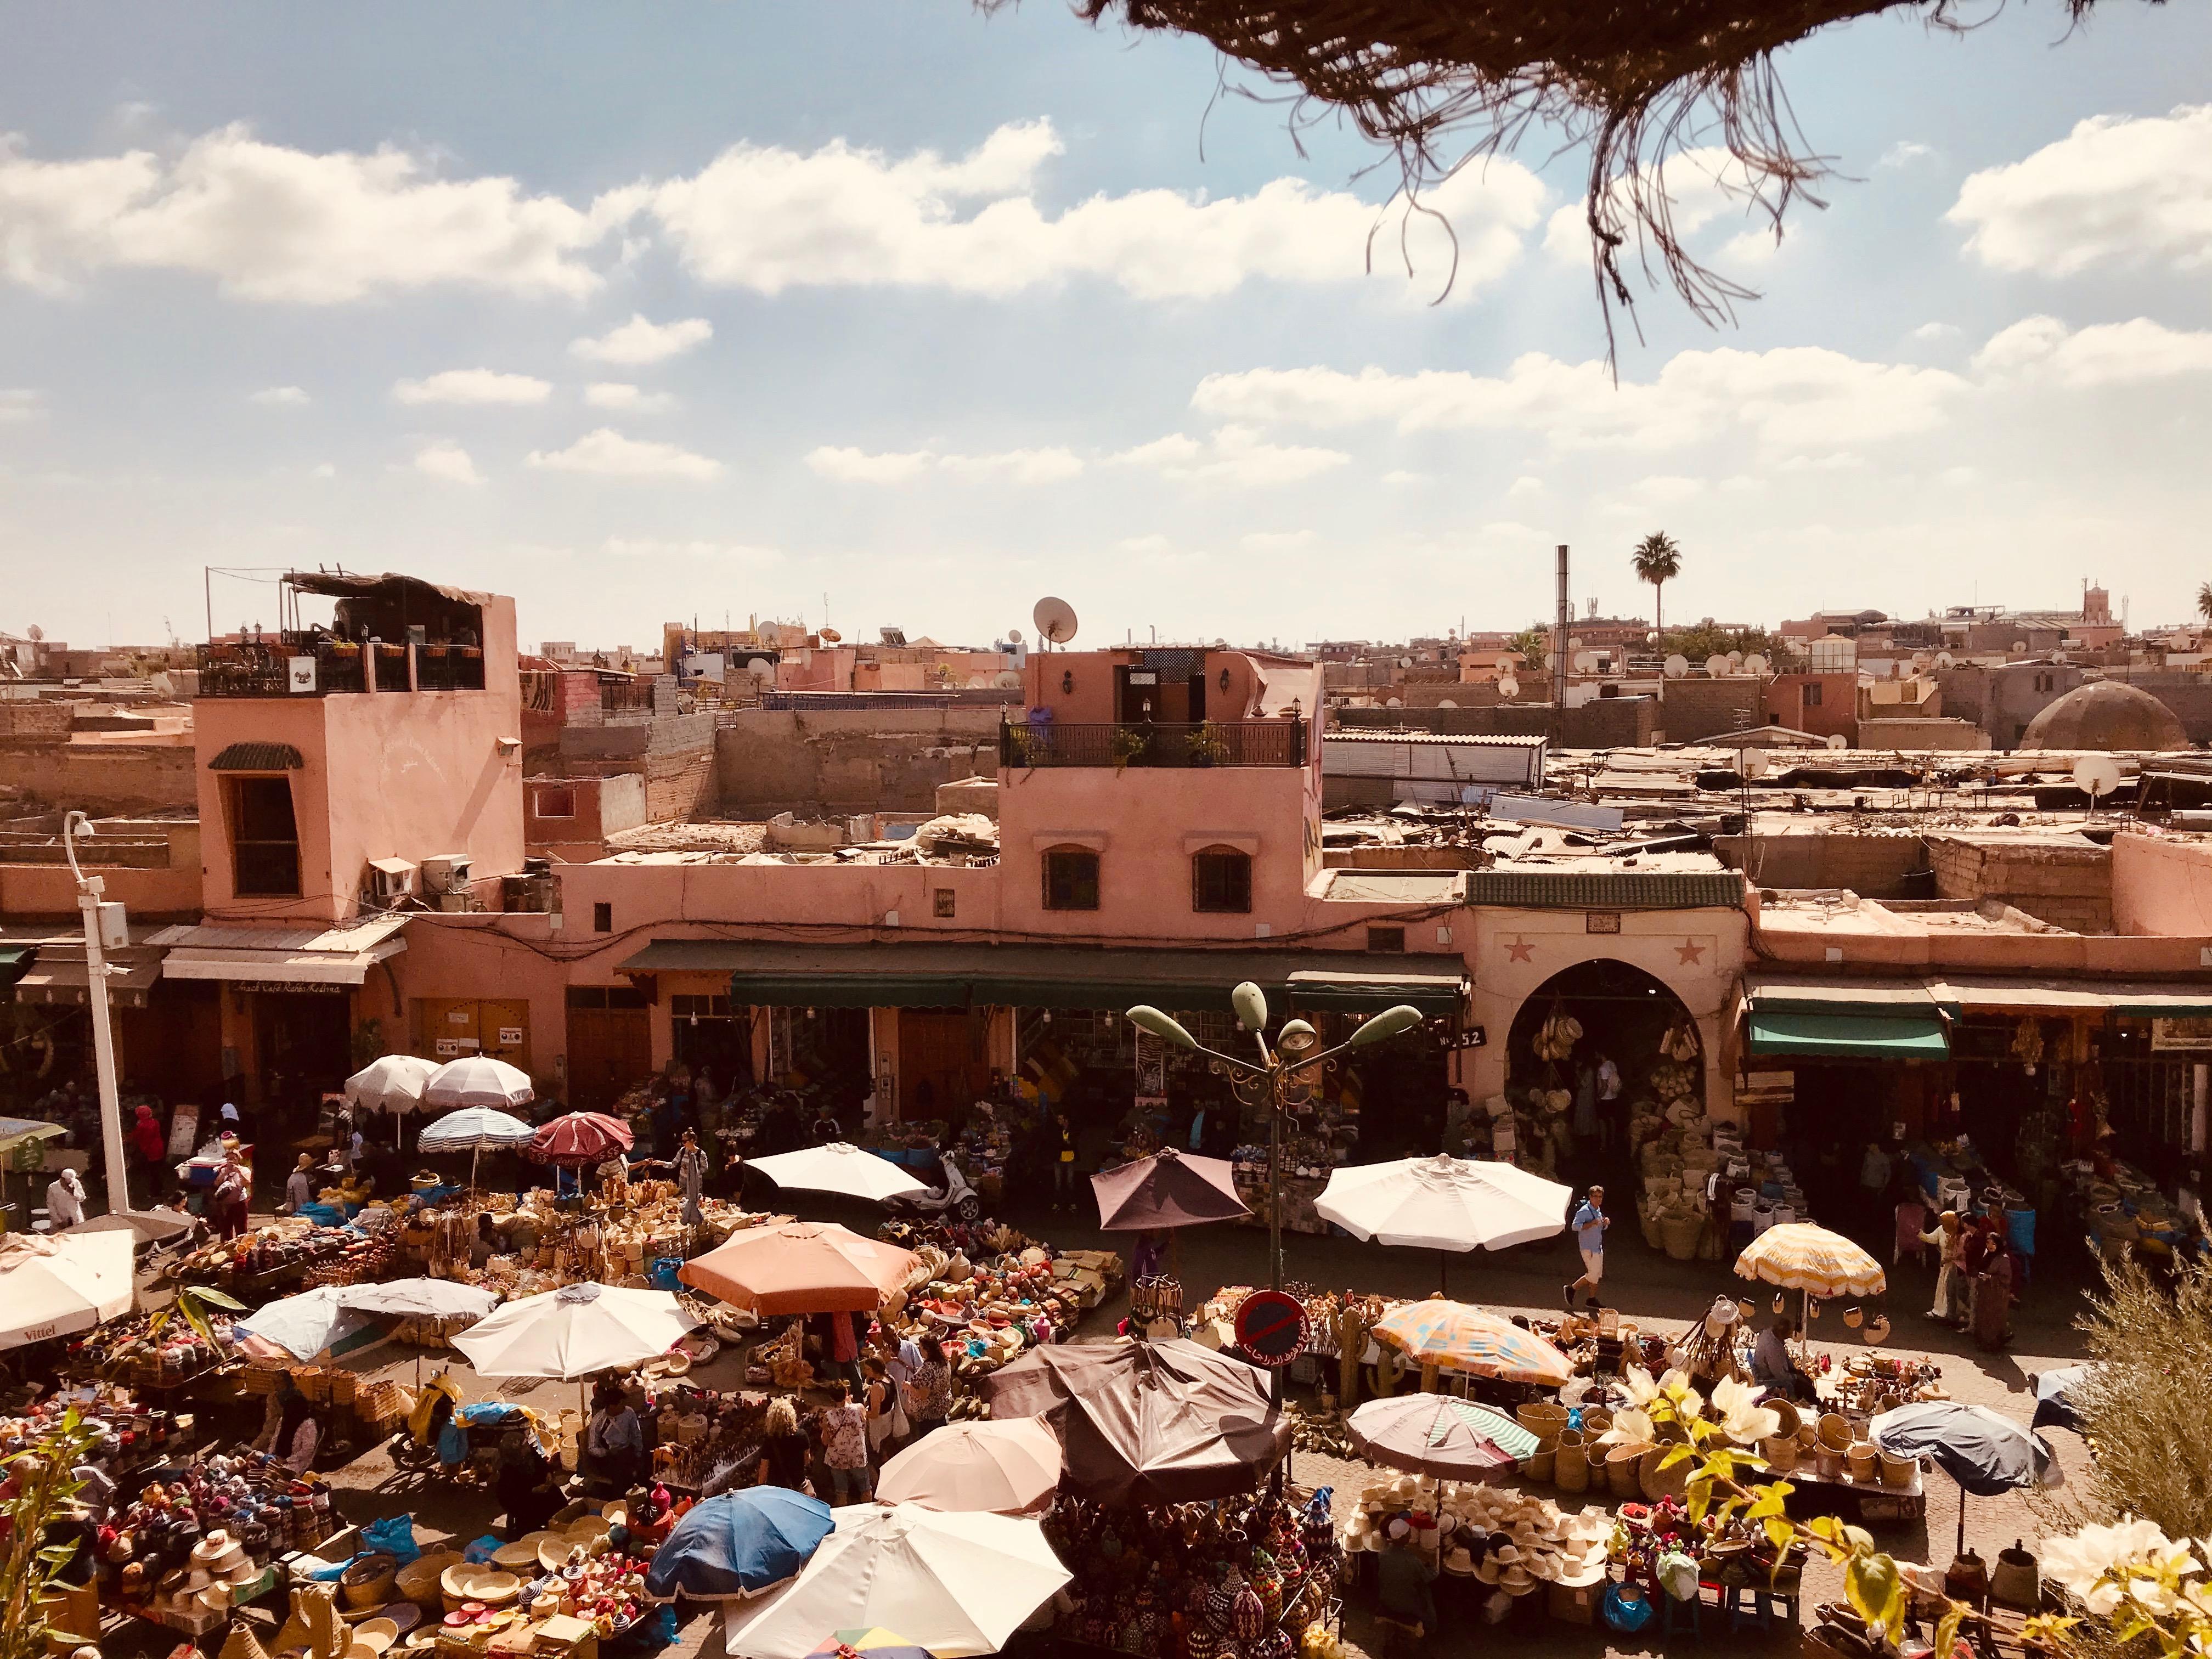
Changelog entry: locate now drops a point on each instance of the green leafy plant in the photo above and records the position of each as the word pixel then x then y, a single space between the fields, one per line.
pixel 45 1481
pixel 1129 743
pixel 1209 745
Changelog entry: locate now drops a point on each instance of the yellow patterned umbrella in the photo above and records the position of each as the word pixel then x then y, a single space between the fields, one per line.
pixel 1799 1257
pixel 1456 1337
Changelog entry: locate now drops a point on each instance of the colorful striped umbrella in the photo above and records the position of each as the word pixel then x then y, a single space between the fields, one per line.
pixel 1799 1257
pixel 1437 1434
pixel 1455 1337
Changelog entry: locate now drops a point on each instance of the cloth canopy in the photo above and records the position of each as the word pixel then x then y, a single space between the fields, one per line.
pixel 419 1299
pixel 955 1585
pixel 2055 1405
pixel 54 1285
pixel 474 1129
pixel 1147 1422
pixel 309 1327
pixel 1984 1453
pixel 393 1083
pixel 838 1167
pixel 1455 1337
pixel 1168 1189
pixel 1006 1466
pixel 1444 1203
pixel 580 1141
pixel 1439 1434
pixel 576 1331
pixel 737 1542
pixel 1800 1256
pixel 801 1267
pixel 1848 1036
pixel 478 1080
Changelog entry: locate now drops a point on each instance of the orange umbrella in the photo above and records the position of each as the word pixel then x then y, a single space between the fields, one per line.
pixel 801 1267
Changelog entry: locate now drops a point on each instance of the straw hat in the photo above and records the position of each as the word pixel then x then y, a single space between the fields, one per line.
pixel 219 1553
pixel 465 1581
pixel 1574 1574
pixel 521 1555
pixel 1516 1581
pixel 1719 1318
pixel 1459 1559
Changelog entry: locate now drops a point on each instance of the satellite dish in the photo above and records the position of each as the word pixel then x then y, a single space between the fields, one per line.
pixel 1942 659
pixel 1754 664
pixel 1717 665
pixel 1509 687
pixel 1576 643
pixel 1009 680
pixel 1013 637
pixel 1837 740
pixel 1677 665
pixel 35 632
pixel 1736 660
pixel 1507 662
pixel 1394 704
pixel 2097 775
pixel 1054 620
pixel 1446 703
pixel 2020 645
pixel 760 669
pixel 1753 763
pixel 1585 662
pixel 1405 662
pixel 830 636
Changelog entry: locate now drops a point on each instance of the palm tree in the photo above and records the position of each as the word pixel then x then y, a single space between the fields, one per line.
pixel 2204 600
pixel 1659 561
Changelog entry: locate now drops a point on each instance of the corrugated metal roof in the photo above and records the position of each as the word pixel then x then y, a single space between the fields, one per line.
pixel 364 935
pixel 257 757
pixel 1606 890
pixel 1457 739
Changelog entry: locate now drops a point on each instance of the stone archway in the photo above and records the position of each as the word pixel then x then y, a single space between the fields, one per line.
pixel 1626 1013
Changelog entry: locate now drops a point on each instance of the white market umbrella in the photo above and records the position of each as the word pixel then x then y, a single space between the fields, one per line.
pixel 54 1285
pixel 1444 1203
pixel 312 1326
pixel 475 1130
pixel 954 1584
pixel 419 1299
pixel 1003 1465
pixel 574 1331
pixel 478 1080
pixel 394 1085
pixel 838 1167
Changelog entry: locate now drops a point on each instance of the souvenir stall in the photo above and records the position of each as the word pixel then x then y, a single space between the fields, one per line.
pixel 990 1293
pixel 161 1351
pixel 185 1552
pixel 269 1259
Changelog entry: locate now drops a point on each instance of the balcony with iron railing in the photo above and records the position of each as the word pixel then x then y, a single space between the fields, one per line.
pixel 1208 743
pixel 265 668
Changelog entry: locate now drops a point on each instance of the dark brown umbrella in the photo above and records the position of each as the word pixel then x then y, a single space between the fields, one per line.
pixel 1147 1422
pixel 1168 1189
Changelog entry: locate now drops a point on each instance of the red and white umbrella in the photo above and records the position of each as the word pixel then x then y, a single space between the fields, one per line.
pixel 580 1139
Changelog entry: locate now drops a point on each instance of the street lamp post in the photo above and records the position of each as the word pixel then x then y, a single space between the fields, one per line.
pixel 1284 1077
pixel 104 924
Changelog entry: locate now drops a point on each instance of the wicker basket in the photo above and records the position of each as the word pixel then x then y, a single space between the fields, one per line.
pixel 1678 1235
pixel 417 1582
pixel 315 1383
pixel 368 1582
pixel 1571 1468
pixel 1622 1465
pixel 1780 1452
pixel 345 1388
pixel 258 1379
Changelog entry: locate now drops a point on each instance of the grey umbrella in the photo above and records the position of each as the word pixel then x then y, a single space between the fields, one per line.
pixel 1984 1453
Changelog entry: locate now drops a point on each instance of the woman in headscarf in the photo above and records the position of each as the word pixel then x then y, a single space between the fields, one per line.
pixel 1950 1244
pixel 65 1200
pixel 293 1437
pixel 233 1189
pixel 146 1140
pixel 691 1178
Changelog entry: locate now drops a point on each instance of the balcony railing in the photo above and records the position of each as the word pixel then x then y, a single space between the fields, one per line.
pixel 1209 743
pixel 263 667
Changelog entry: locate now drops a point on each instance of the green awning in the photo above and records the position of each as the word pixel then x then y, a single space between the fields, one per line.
pixel 1848 1037
pixel 944 976
pixel 16 961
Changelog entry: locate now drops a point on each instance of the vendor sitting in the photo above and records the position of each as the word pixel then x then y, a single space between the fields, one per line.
pixel 1404 1578
pixel 1773 1370
pixel 527 1487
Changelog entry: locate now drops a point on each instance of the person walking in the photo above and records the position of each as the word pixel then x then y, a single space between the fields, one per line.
pixel 1589 1224
pixel 691 1178
pixel 1608 1103
pixel 147 1141
pixel 929 1396
pixel 1949 1244
pixel 845 1446
pixel 1060 1141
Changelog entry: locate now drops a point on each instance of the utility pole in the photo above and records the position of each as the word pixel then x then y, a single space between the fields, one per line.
pixel 104 925
pixel 1564 615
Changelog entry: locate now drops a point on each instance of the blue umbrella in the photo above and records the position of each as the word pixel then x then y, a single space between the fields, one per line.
pixel 739 1542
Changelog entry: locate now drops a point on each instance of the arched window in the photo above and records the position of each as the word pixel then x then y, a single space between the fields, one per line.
pixel 1221 879
pixel 1070 878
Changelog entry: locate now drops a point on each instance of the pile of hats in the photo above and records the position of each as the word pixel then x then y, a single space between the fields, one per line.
pixel 216 1568
pixel 1512 1540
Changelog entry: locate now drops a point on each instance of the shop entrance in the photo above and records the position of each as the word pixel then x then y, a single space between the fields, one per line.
pixel 303 1037
pixel 944 1060
pixel 710 1035
pixel 610 1043
pixel 1624 1015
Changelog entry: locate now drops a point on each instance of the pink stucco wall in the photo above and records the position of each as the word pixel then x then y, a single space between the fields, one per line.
pixel 385 775
pixel 2162 884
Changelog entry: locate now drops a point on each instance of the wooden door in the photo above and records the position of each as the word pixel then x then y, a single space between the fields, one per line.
pixel 949 1050
pixel 610 1051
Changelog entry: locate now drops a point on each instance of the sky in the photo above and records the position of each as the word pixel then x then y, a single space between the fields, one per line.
pixel 906 315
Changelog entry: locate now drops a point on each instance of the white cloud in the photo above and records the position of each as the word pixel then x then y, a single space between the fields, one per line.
pixel 448 461
pixel 616 394
pixel 2114 189
pixel 270 222
pixel 1525 485
pixel 1790 397
pixel 2106 354
pixel 647 547
pixel 1903 153
pixel 473 386
pixel 1233 455
pixel 1273 540
pixel 1027 467
pixel 640 341
pixel 1702 187
pixel 766 219
pixel 1399 476
pixel 1934 332
pixel 609 454
pixel 1662 490
pixel 20 404
pixel 323 469
pixel 280 397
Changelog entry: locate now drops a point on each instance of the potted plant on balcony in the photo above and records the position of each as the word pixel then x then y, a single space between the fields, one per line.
pixel 1129 742
pixel 1020 745
pixel 1209 745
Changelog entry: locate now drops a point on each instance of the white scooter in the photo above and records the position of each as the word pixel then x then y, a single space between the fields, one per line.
pixel 956 1200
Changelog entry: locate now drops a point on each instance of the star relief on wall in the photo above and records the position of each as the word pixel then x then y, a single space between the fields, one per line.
pixel 1521 948
pixel 1689 951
